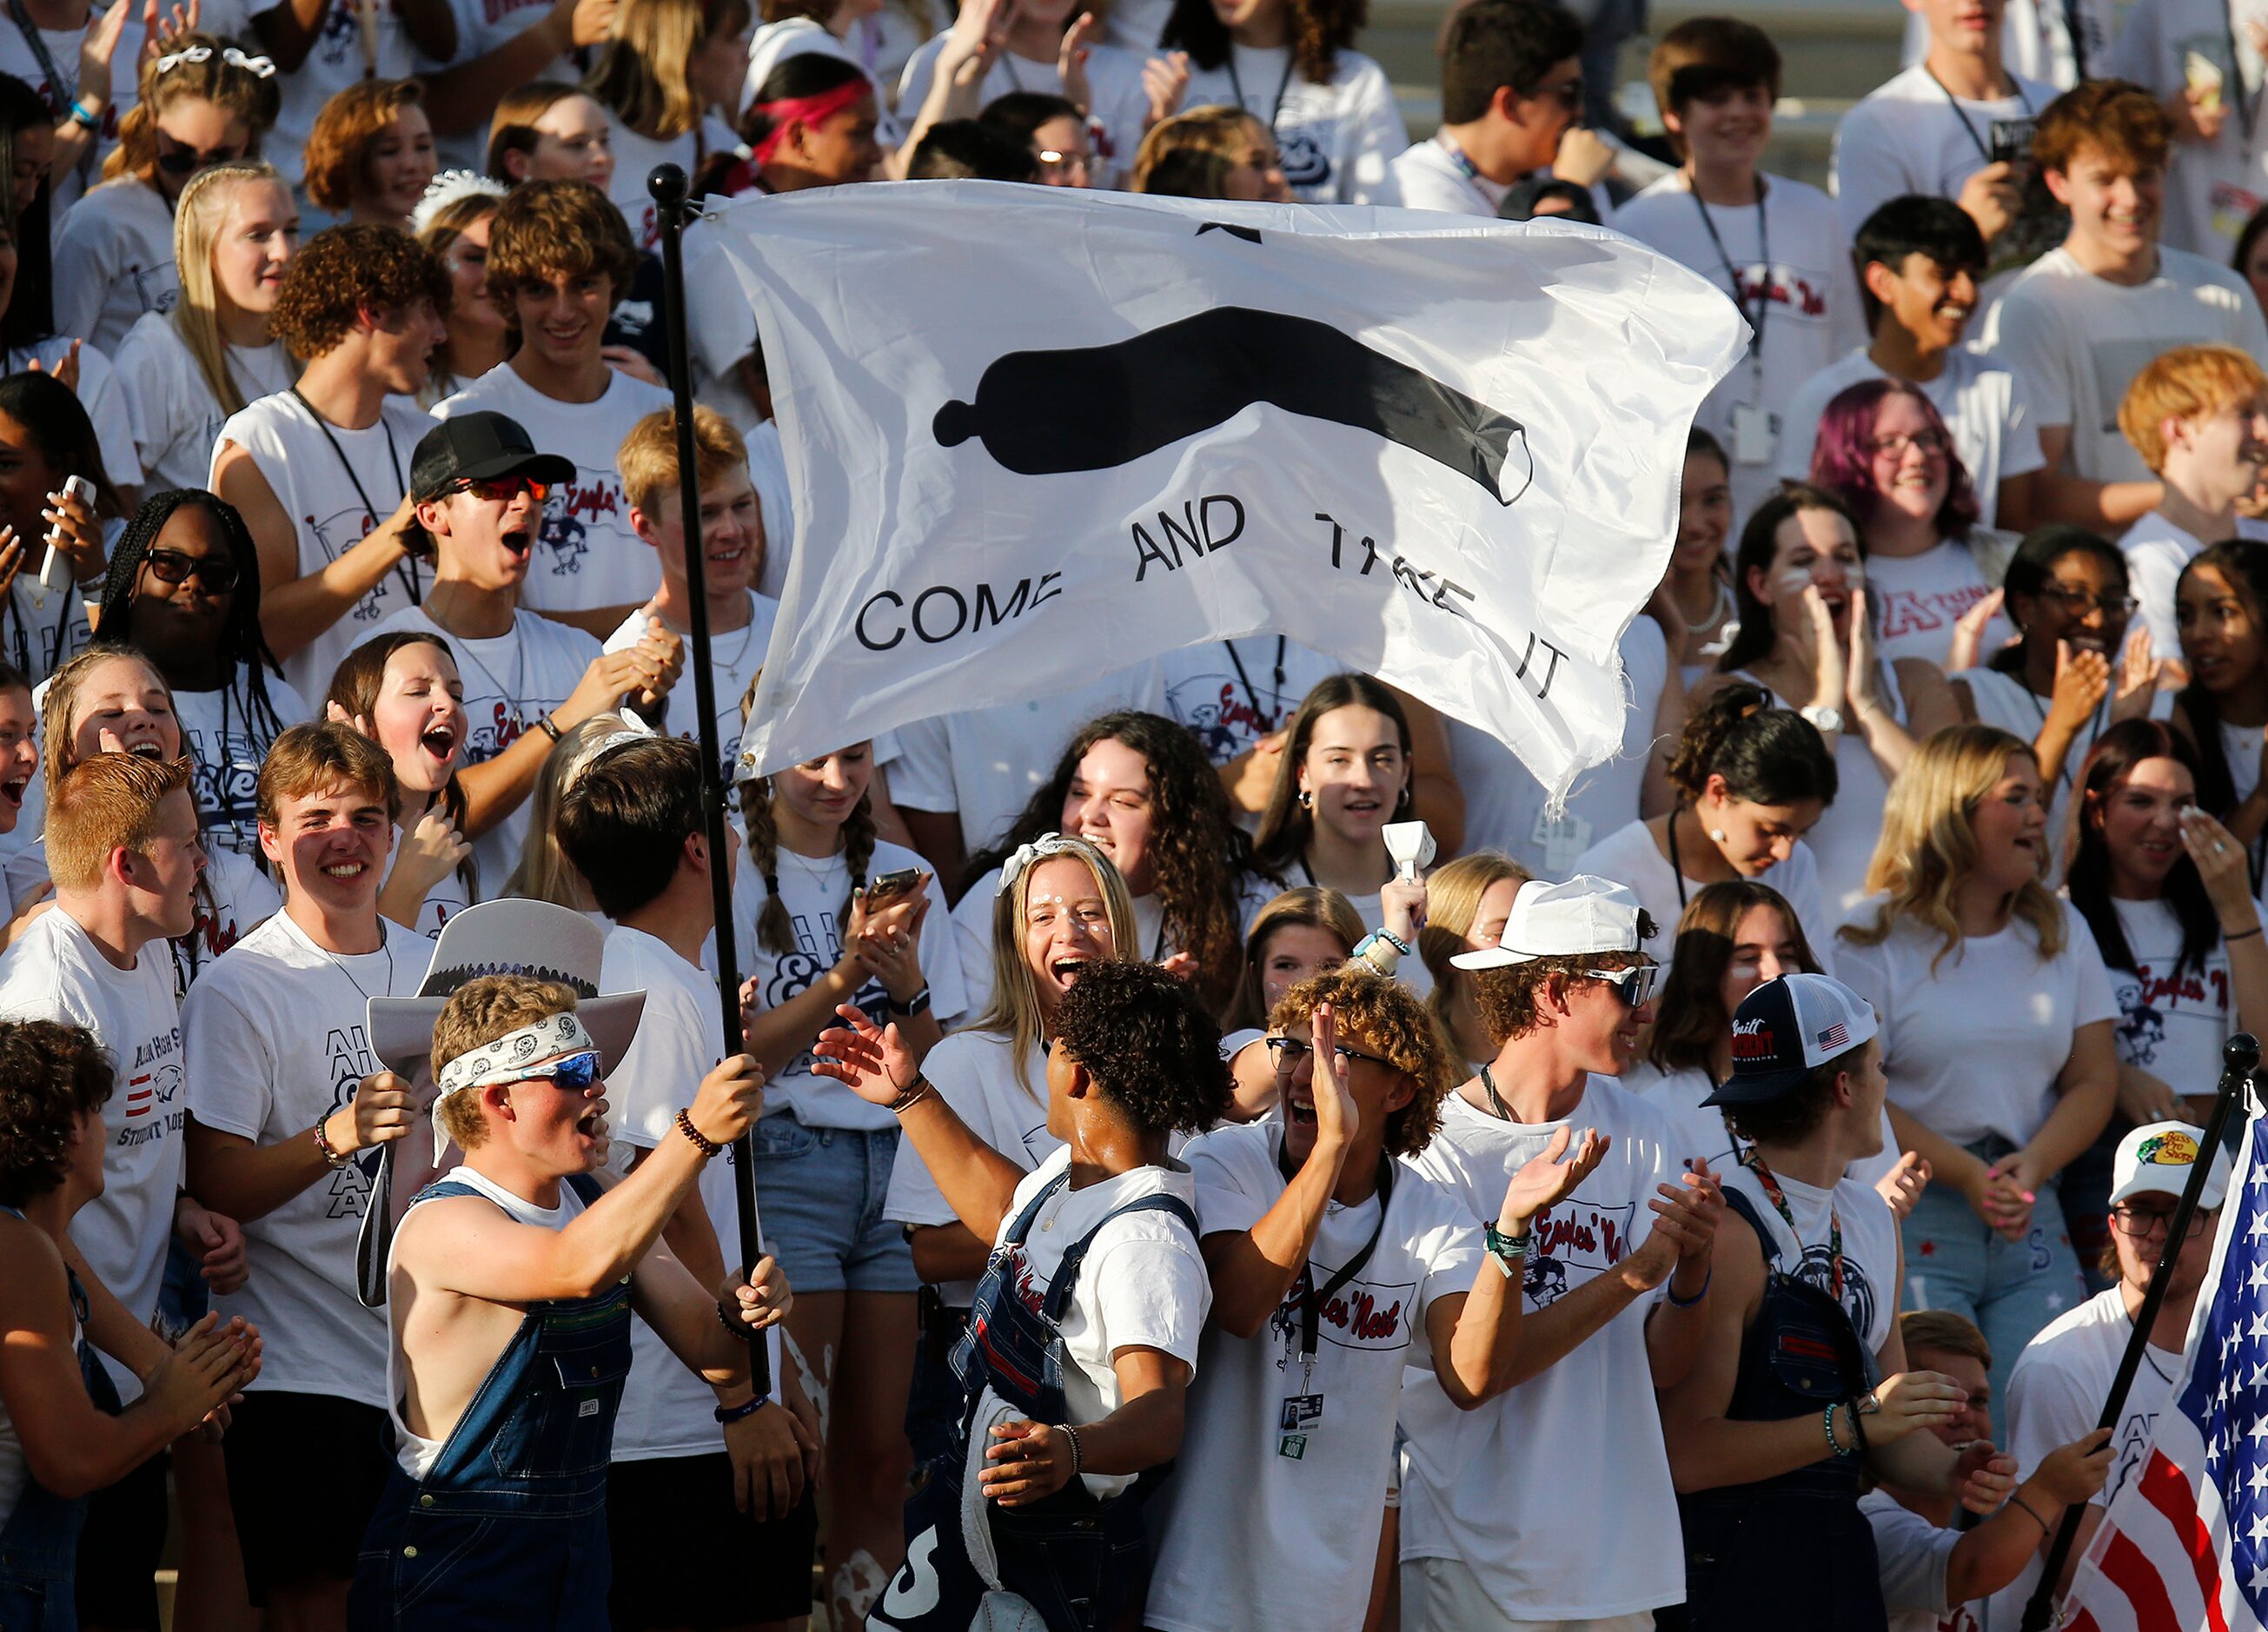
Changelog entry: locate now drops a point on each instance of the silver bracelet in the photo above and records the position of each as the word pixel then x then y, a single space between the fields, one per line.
pixel 1076 1461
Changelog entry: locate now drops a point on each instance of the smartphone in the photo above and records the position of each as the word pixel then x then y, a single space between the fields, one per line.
pixel 885 888
pixel 2012 140
pixel 54 566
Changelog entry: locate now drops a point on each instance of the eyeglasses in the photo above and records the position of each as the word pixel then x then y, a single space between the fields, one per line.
pixel 1287 1051
pixel 2139 1223
pixel 1569 94
pixel 1062 164
pixel 573 1073
pixel 1636 984
pixel 217 573
pixel 504 489
pixel 176 159
pixel 1895 445
pixel 2080 602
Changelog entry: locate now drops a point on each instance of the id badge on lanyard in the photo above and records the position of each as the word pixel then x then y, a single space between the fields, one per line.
pixel 1301 1414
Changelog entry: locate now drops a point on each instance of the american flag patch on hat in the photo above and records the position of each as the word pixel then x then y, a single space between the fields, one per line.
pixel 1835 1036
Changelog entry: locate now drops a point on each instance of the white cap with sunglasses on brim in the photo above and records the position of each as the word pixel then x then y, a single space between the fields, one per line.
pixel 2155 1159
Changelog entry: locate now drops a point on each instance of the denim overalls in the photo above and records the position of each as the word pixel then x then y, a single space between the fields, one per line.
pixel 38 1545
pixel 1072 1558
pixel 508 1528
pixel 1793 1550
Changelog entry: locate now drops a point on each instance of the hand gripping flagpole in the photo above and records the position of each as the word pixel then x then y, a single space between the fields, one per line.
pixel 2238 1058
pixel 668 186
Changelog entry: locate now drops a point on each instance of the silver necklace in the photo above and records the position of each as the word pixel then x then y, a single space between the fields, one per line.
pixel 338 961
pixel 509 696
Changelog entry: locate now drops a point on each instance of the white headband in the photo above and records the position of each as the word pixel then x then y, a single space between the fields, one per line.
pixel 1033 853
pixel 260 66
pixel 560 1033
pixel 446 189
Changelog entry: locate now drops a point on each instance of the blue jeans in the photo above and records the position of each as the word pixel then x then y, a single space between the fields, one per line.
pixel 1955 1261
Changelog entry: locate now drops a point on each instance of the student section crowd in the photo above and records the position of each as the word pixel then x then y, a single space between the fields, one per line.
pixel 339 519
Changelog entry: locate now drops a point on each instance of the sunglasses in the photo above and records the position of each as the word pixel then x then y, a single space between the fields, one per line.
pixel 1636 984
pixel 504 489
pixel 177 160
pixel 575 1073
pixel 1287 1051
pixel 217 573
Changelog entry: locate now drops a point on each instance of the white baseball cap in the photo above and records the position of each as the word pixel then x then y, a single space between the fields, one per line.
pixel 1584 914
pixel 2155 1159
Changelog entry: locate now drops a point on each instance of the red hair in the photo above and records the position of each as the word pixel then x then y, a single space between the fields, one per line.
pixel 1843 458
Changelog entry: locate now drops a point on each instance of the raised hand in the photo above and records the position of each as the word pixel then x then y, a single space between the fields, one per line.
pixel 1338 1117
pixel 2082 679
pixel 1165 81
pixel 433 849
pixel 66 371
pixel 870 1061
pixel 1547 1179
pixel 1902 1185
pixel 1984 1476
pixel 1684 1230
pixel 1071 61
pixel 2222 864
pixel 1910 1400
pixel 2138 677
pixel 1968 633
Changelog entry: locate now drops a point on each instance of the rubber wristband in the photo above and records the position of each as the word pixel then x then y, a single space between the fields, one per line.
pixel 729 1415
pixel 1675 1302
pixel 544 723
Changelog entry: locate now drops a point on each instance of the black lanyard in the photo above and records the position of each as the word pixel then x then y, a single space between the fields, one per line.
pixel 1732 274
pixel 64 92
pixel 1252 696
pixel 2075 27
pixel 1749 1158
pixel 1312 1303
pixel 406 569
pixel 1676 870
pixel 1983 151
pixel 1235 83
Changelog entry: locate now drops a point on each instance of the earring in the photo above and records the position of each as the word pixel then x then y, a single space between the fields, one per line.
pixel 1717 834
pixel 1307 800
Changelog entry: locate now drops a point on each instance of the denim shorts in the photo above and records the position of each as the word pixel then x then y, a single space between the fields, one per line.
pixel 821 1190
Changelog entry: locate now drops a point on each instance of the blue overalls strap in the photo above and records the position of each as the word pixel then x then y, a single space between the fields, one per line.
pixel 1021 1225
pixel 1765 1240
pixel 1067 1276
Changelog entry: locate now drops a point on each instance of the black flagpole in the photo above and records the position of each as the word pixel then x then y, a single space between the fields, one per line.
pixel 2238 1057
pixel 668 186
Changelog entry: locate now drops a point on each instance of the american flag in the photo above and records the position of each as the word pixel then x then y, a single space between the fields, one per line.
pixel 1836 1036
pixel 2184 1545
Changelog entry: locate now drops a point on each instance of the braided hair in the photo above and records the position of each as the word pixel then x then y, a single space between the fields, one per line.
pixel 243 648
pixel 775 928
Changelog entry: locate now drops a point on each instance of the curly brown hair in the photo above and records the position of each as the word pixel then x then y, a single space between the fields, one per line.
pixel 1149 1044
pixel 50 1075
pixel 345 271
pixel 1510 999
pixel 551 229
pixel 1381 1014
pixel 1199 857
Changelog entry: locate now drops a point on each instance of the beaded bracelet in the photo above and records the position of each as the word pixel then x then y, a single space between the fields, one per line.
pixel 702 1143
pixel 1076 1460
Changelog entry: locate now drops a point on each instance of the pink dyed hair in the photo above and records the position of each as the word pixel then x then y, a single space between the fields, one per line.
pixel 1843 458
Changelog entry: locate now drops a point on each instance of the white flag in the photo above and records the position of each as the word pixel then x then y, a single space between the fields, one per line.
pixel 1036 435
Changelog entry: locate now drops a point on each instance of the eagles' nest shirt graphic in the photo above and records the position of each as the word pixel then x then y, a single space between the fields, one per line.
pixel 1184 377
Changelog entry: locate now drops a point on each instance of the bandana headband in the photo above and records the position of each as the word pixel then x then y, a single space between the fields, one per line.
pixel 807 111
pixel 560 1033
pixel 1031 855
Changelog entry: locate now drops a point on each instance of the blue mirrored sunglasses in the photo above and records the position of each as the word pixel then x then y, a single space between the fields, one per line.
pixel 575 1072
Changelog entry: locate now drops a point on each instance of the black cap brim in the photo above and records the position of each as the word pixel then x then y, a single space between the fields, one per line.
pixel 1760 1089
pixel 552 467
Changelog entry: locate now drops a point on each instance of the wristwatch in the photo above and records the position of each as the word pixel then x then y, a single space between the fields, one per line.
pixel 918 1003
pixel 1506 1252
pixel 1824 716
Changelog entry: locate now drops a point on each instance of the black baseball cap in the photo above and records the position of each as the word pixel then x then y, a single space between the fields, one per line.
pixel 479 447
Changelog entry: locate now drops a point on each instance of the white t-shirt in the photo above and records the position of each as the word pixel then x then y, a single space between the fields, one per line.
pixel 1983 404
pixel 1870 1243
pixel 1241 1497
pixel 338 59
pixel 1912 1555
pixel 2056 1394
pixel 275 1039
pixel 1142 1285
pixel 2077 341
pixel 1470 1489
pixel 114 261
pixel 1965 1058
pixel 1917 599
pixel 972 936
pixel 1504 804
pixel 1116 104
pixel 2212 187
pixel 1336 140
pixel 18 57
pixel 294 452
pixel 97 393
pixel 510 682
pixel 975 1073
pixel 228 739
pixel 681 1038
pixel 1226 691
pixel 1629 855
pixel 985 764
pixel 1427 175
pixel 2173 1019
pixel 1913 136
pixel 56 973
pixel 635 158
pixel 2156 552
pixel 587 555
pixel 814 892
pixel 1807 296
pixel 171 409
pixel 733 660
